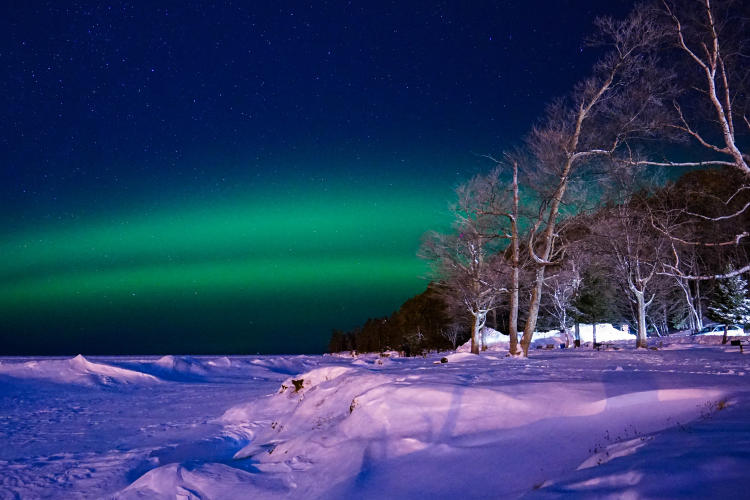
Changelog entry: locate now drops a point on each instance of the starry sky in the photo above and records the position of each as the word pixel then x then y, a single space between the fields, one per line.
pixel 246 176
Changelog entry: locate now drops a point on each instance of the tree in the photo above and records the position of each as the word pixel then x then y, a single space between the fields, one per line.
pixel 467 263
pixel 620 101
pixel 707 48
pixel 690 289
pixel 562 289
pixel 452 333
pixel 636 250
pixel 512 214
pixel 712 39
pixel 338 342
pixel 594 301
pixel 730 304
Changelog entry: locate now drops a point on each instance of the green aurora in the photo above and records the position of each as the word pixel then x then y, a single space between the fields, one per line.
pixel 280 268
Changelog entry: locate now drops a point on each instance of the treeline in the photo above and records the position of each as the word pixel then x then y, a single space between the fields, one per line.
pixel 669 91
pixel 572 224
pixel 590 283
pixel 422 323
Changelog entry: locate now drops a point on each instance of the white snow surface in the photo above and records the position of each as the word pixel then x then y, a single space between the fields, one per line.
pixel 77 370
pixel 605 333
pixel 667 423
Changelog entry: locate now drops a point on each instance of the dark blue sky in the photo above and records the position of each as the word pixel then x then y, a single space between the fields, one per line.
pixel 114 112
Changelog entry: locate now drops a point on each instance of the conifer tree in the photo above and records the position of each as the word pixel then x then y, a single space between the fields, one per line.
pixel 730 304
pixel 593 302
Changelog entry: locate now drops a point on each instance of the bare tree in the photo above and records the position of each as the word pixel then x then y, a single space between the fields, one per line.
pixel 690 289
pixel 696 215
pixel 451 333
pixel 511 212
pixel 634 246
pixel 620 101
pixel 562 288
pixel 637 250
pixel 468 262
pixel 709 49
pixel 712 108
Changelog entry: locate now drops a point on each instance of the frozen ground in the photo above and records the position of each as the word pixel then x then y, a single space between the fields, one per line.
pixel 666 423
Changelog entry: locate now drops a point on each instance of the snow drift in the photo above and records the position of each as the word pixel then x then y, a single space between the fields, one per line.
pixel 77 370
pixel 605 332
pixel 332 418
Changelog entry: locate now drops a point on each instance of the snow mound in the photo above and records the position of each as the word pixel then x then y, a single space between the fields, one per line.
pixel 182 364
pixel 313 378
pixel 222 362
pixel 209 480
pixel 461 356
pixel 333 417
pixel 324 397
pixel 77 370
pixel 605 332
pixel 284 364
pixel 494 340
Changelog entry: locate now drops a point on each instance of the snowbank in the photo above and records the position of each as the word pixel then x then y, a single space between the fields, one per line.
pixel 494 340
pixel 195 481
pixel 605 332
pixel 181 365
pixel 77 370
pixel 334 417
pixel 284 364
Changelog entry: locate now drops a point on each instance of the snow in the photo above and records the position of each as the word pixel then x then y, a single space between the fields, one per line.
pixel 605 333
pixel 666 423
pixel 77 370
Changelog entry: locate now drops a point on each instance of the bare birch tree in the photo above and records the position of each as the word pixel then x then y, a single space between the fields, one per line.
pixel 709 49
pixel 636 249
pixel 468 262
pixel 619 102
pixel 562 288
pixel 712 107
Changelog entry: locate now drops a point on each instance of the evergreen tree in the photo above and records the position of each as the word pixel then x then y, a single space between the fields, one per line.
pixel 730 304
pixel 594 301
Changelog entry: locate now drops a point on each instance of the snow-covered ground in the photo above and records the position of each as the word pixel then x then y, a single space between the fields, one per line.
pixel 666 423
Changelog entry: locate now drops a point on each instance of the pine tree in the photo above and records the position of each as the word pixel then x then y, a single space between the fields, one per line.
pixel 730 304
pixel 594 301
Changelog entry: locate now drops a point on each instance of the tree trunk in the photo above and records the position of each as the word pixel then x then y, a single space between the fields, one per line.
pixel 724 338
pixel 695 321
pixel 577 333
pixel 698 306
pixel 476 328
pixel 549 236
pixel 513 316
pixel 641 340
pixel 536 294
pixel 593 335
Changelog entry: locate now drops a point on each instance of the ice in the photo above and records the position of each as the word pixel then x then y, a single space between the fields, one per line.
pixel 665 423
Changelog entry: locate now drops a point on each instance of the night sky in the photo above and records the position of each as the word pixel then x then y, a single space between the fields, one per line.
pixel 246 177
